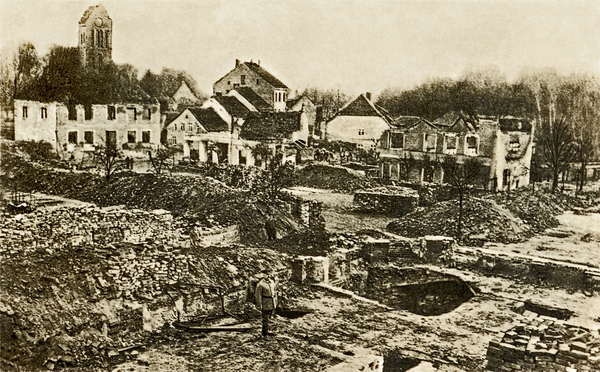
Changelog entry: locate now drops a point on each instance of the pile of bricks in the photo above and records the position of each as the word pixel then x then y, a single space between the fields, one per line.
pixel 545 344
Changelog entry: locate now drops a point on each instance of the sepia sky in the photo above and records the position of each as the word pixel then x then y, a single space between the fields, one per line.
pixel 354 46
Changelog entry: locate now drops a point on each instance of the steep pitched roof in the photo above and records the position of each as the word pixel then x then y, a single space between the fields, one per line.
pixel 362 106
pixel 254 99
pixel 272 125
pixel 210 120
pixel 266 75
pixel 170 117
pixel 91 10
pixel 233 106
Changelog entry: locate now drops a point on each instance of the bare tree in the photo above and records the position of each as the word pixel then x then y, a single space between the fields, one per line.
pixel 277 174
pixel 110 159
pixel 160 159
pixel 557 147
pixel 462 178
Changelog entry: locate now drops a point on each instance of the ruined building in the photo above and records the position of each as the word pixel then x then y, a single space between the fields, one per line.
pixel 72 128
pixel 95 36
pixel 412 150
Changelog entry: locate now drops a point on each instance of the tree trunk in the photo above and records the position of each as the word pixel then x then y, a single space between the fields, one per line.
pixel 582 175
pixel 554 180
pixel 460 212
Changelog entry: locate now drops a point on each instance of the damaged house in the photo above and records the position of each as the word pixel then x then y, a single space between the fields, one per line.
pixel 412 150
pixel 210 134
pixel 76 128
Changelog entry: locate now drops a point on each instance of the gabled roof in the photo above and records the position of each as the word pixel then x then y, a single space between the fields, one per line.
pixel 233 106
pixel 170 117
pixel 91 10
pixel 266 75
pixel 362 106
pixel 424 122
pixel 405 121
pixel 210 120
pixel 272 125
pixel 291 102
pixel 254 99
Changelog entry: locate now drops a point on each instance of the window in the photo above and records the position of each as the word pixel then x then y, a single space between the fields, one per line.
pixel 257 81
pixel 243 79
pixel 72 137
pixel 451 142
pixel 149 114
pixel 72 112
pixel 132 113
pixel 88 112
pixel 106 38
pixel 361 132
pixel 514 146
pixel 146 136
pixel 131 136
pixel 24 111
pixel 190 127
pixel 505 177
pixel 112 113
pixel 182 126
pixel 173 140
pixel 471 145
pixel 44 112
pixel 397 140
pixel 88 137
pixel 228 82
pixel 429 142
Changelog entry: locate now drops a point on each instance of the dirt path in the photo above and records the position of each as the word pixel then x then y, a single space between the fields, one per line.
pixel 576 240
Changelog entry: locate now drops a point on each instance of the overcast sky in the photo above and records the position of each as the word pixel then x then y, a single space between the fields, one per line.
pixel 355 46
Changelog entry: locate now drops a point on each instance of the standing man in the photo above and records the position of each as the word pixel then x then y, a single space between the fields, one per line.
pixel 271 228
pixel 266 300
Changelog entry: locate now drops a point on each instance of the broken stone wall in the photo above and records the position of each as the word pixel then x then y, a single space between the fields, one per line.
pixel 530 269
pixel 396 201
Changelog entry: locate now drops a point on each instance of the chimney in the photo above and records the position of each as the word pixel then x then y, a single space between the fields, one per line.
pixel 368 95
pixel 251 61
pixel 259 62
pixel 237 62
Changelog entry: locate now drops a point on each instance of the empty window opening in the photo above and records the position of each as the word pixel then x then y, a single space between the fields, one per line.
pixel 131 136
pixel 44 112
pixel 397 140
pixel 146 136
pixel 132 113
pixel 112 113
pixel 88 137
pixel 24 111
pixel 88 113
pixel 149 114
pixel 471 145
pixel 243 79
pixel 72 137
pixel 72 112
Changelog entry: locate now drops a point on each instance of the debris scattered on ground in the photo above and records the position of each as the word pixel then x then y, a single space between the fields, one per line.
pixel 333 178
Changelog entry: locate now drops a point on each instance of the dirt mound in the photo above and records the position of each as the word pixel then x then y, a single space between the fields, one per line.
pixel 483 220
pixel 323 176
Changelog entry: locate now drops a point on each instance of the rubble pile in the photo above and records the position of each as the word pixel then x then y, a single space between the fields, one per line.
pixel 545 344
pixel 483 220
pixel 330 177
pixel 237 176
pixel 393 200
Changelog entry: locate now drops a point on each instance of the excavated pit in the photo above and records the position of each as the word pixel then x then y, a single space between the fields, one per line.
pixel 417 290
pixel 394 361
pixel 291 313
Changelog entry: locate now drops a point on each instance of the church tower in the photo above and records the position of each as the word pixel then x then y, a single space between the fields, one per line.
pixel 95 37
